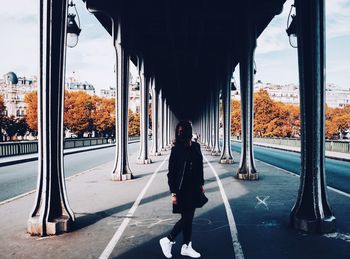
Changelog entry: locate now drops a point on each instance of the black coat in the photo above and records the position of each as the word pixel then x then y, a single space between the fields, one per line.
pixel 178 157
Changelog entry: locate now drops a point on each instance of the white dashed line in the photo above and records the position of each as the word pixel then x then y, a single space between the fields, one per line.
pixel 231 220
pixel 117 235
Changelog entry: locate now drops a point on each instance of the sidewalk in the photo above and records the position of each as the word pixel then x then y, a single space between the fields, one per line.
pixel 260 209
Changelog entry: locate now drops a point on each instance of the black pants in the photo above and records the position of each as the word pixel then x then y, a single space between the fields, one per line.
pixel 184 225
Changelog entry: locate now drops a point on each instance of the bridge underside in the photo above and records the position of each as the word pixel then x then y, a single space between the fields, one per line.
pixel 185 53
pixel 189 47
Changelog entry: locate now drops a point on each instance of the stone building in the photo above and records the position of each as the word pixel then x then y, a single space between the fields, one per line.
pixel 13 89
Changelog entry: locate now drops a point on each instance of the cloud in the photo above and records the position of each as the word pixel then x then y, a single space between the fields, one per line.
pixel 274 38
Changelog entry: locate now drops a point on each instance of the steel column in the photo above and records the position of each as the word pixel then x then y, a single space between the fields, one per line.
pixel 247 169
pixel 207 141
pixel 311 211
pixel 144 94
pixel 226 157
pixel 161 119
pixel 121 170
pixel 164 125
pixel 155 111
pixel 216 110
pixel 51 213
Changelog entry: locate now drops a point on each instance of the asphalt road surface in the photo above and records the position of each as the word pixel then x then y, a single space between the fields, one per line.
pixel 21 178
pixel 337 172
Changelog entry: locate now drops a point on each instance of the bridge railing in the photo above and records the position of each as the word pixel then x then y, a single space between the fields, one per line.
pixel 31 147
pixel 330 145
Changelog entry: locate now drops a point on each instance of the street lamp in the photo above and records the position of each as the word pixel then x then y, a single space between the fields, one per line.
pixel 73 29
pixel 292 28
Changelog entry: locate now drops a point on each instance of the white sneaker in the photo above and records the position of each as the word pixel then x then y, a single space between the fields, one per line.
pixel 166 245
pixel 187 250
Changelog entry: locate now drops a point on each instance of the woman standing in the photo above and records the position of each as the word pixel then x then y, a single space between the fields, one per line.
pixel 185 179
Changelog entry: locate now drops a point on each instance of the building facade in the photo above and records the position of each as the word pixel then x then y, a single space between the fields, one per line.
pixel 336 97
pixel 72 84
pixel 13 89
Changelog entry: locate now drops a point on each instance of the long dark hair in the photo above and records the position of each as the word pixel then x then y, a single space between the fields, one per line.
pixel 183 133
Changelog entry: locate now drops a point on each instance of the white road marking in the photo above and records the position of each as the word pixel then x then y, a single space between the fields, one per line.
pixel 339 191
pixel 117 235
pixel 294 174
pixel 231 220
pixel 262 201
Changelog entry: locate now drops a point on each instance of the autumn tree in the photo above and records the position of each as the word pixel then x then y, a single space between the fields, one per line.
pixel 271 119
pixel 104 116
pixel 264 113
pixel 235 118
pixel 31 99
pixel 285 122
pixel 337 121
pixel 78 108
pixel 134 123
pixel 21 127
pixel 10 127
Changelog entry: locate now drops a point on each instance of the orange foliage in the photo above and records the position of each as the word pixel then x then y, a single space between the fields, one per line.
pixel 104 116
pixel 31 99
pixel 2 105
pixel 78 107
pixel 337 121
pixel 271 119
pixel 134 123
pixel 235 118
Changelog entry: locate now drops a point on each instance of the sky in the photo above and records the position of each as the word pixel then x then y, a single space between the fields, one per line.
pixel 92 60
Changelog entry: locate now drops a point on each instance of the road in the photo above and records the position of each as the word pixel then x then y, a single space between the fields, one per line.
pixel 337 172
pixel 21 178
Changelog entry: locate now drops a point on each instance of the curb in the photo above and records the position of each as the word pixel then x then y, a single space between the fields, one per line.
pixel 296 151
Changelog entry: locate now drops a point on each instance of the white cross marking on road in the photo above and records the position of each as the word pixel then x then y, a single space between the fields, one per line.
pixel 262 201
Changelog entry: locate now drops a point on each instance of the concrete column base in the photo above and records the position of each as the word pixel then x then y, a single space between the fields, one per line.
pixel 144 161
pixel 216 153
pixel 247 176
pixel 123 177
pixel 226 161
pixel 321 226
pixel 58 226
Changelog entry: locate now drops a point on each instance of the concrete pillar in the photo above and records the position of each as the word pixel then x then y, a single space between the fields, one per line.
pixel 144 94
pixel 155 114
pixel 121 170
pixel 226 157
pixel 311 212
pixel 216 125
pixel 51 213
pixel 247 169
